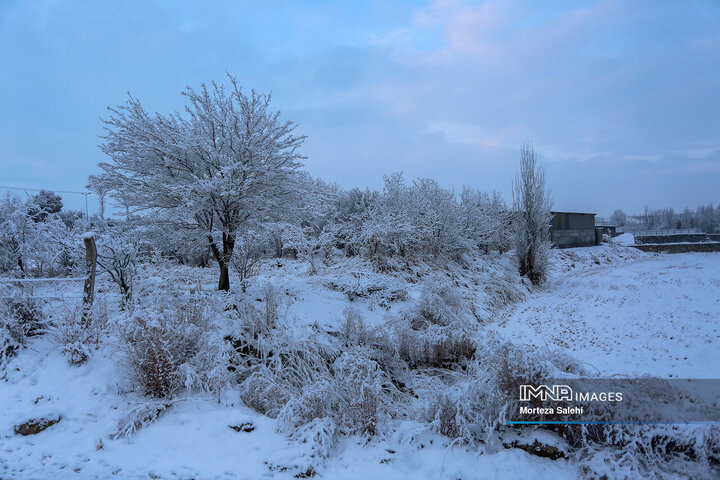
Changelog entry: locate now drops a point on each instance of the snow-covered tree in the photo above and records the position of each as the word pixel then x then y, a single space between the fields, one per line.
pixel 352 209
pixel 117 254
pixel 45 203
pixel 389 228
pixel 485 220
pixel 418 219
pixel 30 246
pixel 227 160
pixel 531 202
pixel 502 226
pixel 619 218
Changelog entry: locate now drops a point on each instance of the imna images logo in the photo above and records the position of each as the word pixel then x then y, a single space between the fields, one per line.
pixel 559 393
pixel 544 393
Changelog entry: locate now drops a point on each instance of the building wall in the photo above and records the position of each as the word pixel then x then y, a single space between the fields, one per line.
pixel 573 238
pixel 573 221
pixel 573 229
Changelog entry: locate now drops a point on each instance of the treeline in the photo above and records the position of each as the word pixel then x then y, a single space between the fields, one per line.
pixel 704 218
pixel 224 181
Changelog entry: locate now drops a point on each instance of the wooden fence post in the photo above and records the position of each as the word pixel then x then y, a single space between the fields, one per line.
pixel 90 267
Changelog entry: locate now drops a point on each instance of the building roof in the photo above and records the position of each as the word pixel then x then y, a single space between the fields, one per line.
pixel 573 211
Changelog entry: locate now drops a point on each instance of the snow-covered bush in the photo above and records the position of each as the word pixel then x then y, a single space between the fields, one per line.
pixel 278 368
pixel 652 451
pixel 250 249
pixel 357 284
pixel 354 331
pixel 439 304
pixel 435 331
pixel 171 345
pixel 118 250
pixel 319 434
pixel 354 395
pixel 23 316
pixel 503 290
pixel 365 389
pixel 78 331
pixel 9 345
pixel 139 416
pixel 433 347
pixel 310 244
pixel 485 220
pixel 315 390
pixel 474 405
pixel 353 208
pixel 74 339
pixel 20 317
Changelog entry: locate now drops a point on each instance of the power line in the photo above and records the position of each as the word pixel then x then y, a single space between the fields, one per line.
pixel 5 187
pixel 87 212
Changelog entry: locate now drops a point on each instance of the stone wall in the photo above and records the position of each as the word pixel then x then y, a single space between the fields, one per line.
pixel 679 247
pixel 684 237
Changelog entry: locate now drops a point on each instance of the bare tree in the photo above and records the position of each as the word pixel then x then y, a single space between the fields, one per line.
pixel 532 226
pixel 619 218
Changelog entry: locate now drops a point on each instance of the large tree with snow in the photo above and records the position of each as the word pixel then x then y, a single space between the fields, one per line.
pixel 227 160
pixel 531 203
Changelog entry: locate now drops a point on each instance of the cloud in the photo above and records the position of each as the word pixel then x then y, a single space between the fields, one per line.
pixel 611 90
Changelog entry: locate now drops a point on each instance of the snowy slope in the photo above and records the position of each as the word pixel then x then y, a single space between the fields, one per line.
pixel 615 308
pixel 194 439
pixel 643 314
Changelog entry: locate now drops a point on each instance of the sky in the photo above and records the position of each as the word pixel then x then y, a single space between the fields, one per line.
pixel 621 100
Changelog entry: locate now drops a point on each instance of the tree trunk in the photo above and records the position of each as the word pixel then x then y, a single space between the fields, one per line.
pixel 223 259
pixel 224 282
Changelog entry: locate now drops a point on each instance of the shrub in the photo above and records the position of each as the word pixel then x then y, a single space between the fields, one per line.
pixel 652 451
pixel 439 304
pixel 73 338
pixel 173 346
pixel 434 332
pixel 78 332
pixel 354 396
pixel 353 330
pixel 250 249
pixel 138 417
pixel 20 317
pixel 356 285
pixel 503 291
pixel 433 347
pixel 8 345
pixel 24 317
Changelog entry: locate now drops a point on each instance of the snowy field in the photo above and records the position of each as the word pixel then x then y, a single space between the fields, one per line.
pixel 656 315
pixel 617 310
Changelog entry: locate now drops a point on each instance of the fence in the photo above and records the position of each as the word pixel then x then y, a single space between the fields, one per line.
pixel 32 284
pixel 88 281
pixel 675 231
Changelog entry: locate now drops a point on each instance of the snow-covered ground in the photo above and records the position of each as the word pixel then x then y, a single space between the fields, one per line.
pixel 654 314
pixel 619 310
pixel 193 440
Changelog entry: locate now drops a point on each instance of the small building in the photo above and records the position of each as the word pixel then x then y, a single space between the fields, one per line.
pixel 606 229
pixel 574 229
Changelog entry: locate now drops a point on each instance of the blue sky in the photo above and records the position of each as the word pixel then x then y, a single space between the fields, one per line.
pixel 620 99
